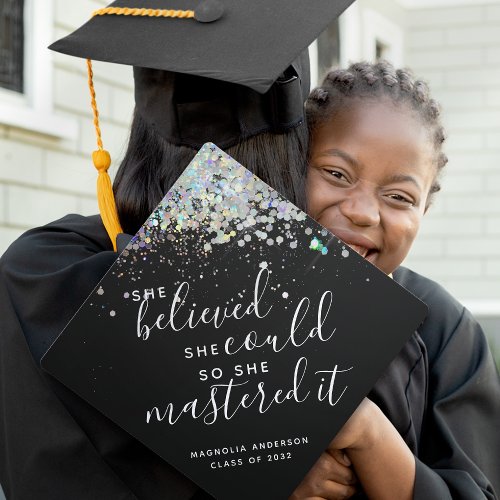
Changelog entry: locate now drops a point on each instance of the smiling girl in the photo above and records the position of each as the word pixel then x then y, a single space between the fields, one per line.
pixel 430 428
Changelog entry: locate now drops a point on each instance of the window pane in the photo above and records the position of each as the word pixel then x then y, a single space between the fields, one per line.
pixel 11 44
pixel 328 49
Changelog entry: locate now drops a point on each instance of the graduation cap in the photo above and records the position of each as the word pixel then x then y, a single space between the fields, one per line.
pixel 209 70
pixel 234 335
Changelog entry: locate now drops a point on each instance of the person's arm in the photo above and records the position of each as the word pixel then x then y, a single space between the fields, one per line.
pixel 459 449
pixel 384 464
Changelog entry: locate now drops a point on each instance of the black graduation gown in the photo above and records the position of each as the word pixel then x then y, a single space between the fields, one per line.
pixel 442 392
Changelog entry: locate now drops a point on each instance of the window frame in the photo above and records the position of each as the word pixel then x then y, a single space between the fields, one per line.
pixel 377 28
pixel 34 109
pixel 11 58
pixel 360 30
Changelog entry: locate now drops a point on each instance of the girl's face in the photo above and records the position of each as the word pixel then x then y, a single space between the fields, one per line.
pixel 371 168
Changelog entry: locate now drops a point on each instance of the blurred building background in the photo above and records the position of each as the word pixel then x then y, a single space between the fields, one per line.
pixel 46 133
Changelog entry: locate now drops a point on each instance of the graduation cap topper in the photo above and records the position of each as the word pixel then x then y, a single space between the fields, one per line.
pixel 213 70
pixel 234 335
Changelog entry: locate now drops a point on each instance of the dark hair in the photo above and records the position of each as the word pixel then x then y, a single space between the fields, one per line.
pixel 151 165
pixel 368 81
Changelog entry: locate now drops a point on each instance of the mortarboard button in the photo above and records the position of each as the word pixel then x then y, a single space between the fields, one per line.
pixel 252 43
pixel 208 11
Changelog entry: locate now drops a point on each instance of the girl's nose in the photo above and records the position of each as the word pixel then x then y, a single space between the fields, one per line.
pixel 361 207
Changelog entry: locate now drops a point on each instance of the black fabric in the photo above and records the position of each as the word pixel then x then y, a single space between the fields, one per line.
pixel 250 44
pixel 192 110
pixel 460 438
pixel 244 73
pixel 442 392
pixel 53 445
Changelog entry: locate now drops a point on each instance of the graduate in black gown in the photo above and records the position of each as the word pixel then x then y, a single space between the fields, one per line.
pixel 441 393
pixel 430 428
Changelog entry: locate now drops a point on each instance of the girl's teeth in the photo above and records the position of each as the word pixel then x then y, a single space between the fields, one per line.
pixel 361 250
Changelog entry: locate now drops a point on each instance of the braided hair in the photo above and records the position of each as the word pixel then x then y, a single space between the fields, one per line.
pixel 364 80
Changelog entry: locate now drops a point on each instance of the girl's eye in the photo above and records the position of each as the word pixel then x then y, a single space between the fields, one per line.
pixel 336 174
pixel 401 200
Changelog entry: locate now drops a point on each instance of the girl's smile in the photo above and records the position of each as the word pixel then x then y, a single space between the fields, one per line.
pixel 370 171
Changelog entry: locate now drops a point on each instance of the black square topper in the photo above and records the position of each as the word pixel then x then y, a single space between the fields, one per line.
pixel 234 335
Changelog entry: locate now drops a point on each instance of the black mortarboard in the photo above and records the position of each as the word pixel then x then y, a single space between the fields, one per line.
pixel 217 70
pixel 254 44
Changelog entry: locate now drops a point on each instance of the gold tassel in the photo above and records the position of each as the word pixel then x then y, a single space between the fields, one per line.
pixel 102 161
pixel 101 158
pixel 105 197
